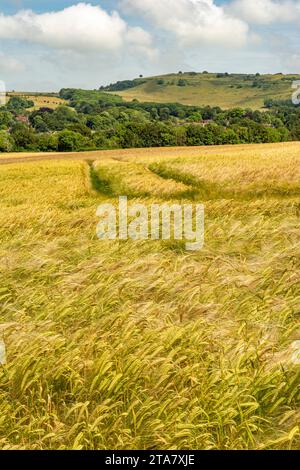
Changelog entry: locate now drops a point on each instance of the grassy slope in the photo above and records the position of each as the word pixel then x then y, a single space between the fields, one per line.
pixel 207 89
pixel 130 345
pixel 40 100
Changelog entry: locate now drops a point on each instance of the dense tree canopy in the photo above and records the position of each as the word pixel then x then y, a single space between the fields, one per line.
pixel 97 120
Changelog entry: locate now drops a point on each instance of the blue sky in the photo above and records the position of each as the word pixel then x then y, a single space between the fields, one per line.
pixel 39 6
pixel 65 43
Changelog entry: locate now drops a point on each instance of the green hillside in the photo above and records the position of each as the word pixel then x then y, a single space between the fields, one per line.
pixel 224 90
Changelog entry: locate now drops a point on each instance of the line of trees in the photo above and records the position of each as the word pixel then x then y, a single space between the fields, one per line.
pixel 95 120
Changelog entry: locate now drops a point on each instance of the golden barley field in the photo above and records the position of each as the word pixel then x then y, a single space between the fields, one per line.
pixel 115 344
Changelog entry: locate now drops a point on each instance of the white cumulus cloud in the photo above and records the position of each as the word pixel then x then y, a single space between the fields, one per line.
pixel 141 41
pixel 266 11
pixel 82 27
pixel 193 22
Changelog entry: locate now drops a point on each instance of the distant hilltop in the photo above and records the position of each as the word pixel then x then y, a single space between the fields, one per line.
pixel 227 90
